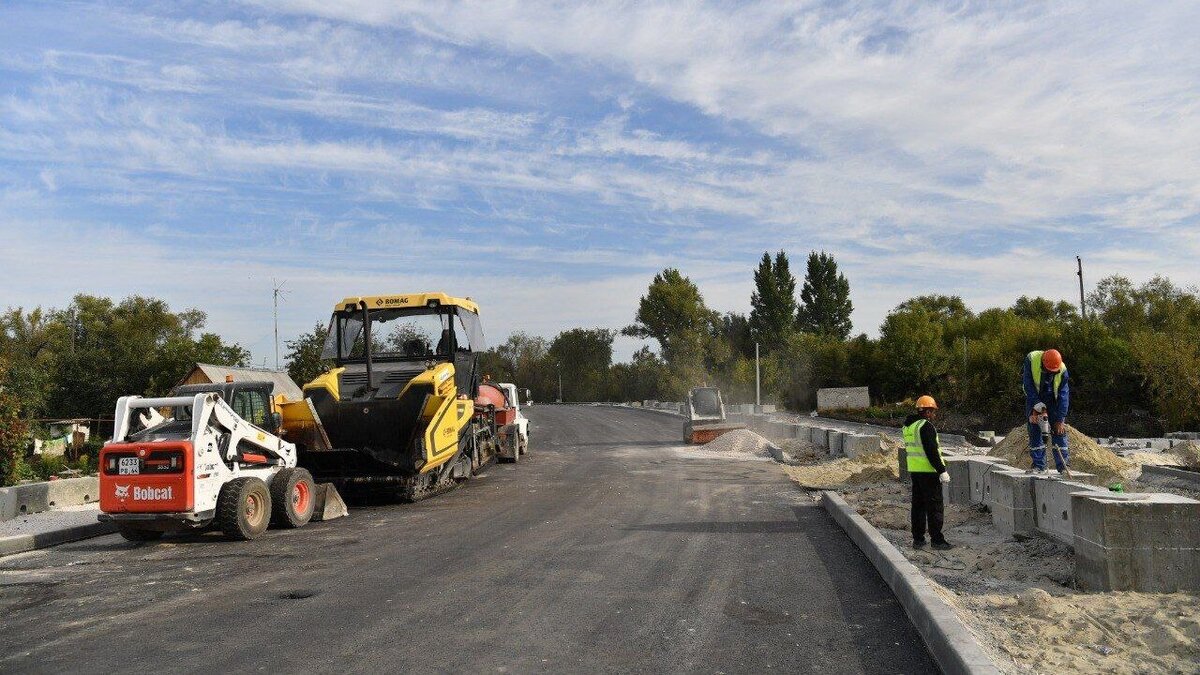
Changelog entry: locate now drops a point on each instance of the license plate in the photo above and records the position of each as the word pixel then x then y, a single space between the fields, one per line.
pixel 128 466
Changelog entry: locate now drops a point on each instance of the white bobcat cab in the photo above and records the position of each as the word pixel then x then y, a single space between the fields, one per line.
pixel 201 465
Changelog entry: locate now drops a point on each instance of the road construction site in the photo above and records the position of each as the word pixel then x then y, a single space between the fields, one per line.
pixel 1050 573
pixel 610 548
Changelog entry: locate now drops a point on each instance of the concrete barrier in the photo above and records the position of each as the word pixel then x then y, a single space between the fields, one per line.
pixel 1136 542
pixel 1011 502
pixel 978 468
pixel 1052 500
pixel 37 497
pixel 843 398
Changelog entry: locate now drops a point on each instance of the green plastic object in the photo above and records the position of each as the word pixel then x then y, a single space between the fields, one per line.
pixel 1116 487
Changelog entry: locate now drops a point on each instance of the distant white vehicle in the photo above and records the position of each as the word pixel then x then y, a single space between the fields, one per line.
pixel 519 423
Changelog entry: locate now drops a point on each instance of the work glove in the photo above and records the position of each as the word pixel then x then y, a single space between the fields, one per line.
pixel 944 477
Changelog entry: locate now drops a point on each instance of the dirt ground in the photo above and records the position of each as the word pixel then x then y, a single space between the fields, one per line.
pixel 1018 597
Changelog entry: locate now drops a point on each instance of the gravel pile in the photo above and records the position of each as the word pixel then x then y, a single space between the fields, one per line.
pixel 742 441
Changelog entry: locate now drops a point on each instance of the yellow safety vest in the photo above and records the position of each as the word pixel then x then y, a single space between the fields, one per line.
pixel 1035 365
pixel 917 461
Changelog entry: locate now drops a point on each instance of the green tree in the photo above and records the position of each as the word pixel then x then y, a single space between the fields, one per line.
pixel 1043 309
pixel 910 341
pixel 137 346
pixel 1156 305
pixel 773 302
pixel 13 430
pixel 583 357
pixel 30 343
pixel 303 356
pixel 735 331
pixel 673 313
pixel 825 298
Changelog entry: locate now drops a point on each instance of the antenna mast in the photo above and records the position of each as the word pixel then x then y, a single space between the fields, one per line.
pixel 277 291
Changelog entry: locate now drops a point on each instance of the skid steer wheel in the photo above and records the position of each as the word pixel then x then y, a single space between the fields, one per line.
pixel 138 534
pixel 244 508
pixel 293 496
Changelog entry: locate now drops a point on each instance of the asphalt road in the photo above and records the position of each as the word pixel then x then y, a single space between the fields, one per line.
pixel 608 549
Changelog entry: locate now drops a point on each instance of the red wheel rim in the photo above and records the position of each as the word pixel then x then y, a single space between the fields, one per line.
pixel 254 510
pixel 300 497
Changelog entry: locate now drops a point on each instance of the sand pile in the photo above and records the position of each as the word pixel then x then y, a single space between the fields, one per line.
pixel 1085 454
pixel 876 467
pixel 741 441
pixel 1188 454
pixel 802 451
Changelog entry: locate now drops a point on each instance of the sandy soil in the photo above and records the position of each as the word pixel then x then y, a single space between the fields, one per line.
pixel 1085 454
pixel 1018 597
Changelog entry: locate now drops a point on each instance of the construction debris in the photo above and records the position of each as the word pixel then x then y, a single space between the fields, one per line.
pixel 869 468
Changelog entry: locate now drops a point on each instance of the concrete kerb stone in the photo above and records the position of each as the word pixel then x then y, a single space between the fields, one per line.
pixel 960 478
pixel 1053 508
pixel 950 642
pixel 30 542
pixel 1011 502
pixel 1171 472
pixel 977 471
pixel 819 437
pixel 836 441
pixel 21 500
pixel 854 445
pixel 1136 542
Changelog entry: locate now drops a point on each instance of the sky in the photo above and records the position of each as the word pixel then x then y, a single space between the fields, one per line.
pixel 547 159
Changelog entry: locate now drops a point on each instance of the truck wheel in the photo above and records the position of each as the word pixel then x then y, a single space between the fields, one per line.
pixel 132 533
pixel 293 497
pixel 244 508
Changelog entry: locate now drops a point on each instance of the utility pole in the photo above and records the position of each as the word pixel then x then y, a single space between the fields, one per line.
pixel 1082 305
pixel 276 292
pixel 757 380
pixel 559 366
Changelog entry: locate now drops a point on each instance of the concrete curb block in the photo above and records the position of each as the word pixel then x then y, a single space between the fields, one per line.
pixel 1171 472
pixel 31 542
pixel 950 643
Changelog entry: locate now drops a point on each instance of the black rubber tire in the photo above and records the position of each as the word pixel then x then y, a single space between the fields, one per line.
pixel 525 444
pixel 293 498
pixel 132 533
pixel 234 515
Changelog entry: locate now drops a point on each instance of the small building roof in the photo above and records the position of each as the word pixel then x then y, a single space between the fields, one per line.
pixel 283 382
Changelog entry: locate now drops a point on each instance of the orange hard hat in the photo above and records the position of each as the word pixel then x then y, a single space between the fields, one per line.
pixel 926 401
pixel 1051 360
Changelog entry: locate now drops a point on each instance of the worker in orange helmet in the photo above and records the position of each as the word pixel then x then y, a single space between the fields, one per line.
pixel 923 453
pixel 1046 382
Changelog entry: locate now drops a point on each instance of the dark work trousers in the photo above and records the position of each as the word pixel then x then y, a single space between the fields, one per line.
pixel 926 506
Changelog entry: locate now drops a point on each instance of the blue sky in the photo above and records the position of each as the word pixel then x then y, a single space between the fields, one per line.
pixel 547 159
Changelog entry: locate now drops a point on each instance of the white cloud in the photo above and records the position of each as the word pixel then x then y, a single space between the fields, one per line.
pixel 933 147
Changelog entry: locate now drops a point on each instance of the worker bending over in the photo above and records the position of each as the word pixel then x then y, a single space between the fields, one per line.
pixel 1046 381
pixel 928 471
